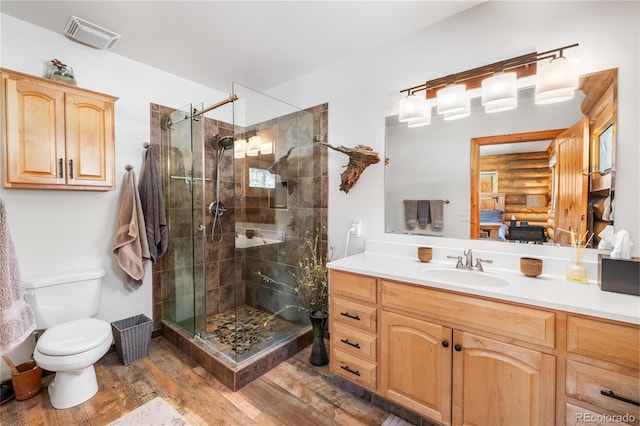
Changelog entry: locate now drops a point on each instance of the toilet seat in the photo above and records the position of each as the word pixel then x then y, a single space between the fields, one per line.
pixel 74 337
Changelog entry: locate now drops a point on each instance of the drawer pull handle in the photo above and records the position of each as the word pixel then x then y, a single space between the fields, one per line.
pixel 60 168
pixel 610 394
pixel 346 368
pixel 355 345
pixel 71 169
pixel 348 315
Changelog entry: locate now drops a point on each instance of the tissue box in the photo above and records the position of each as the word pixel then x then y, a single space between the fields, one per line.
pixel 619 275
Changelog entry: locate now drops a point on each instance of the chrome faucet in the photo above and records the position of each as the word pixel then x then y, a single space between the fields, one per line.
pixel 466 261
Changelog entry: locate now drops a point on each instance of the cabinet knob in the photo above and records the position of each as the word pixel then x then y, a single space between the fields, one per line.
pixel 445 344
pixel 457 348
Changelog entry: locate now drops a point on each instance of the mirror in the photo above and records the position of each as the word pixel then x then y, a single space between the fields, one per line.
pixel 472 165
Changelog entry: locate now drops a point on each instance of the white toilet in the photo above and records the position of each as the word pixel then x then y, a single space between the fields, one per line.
pixel 63 305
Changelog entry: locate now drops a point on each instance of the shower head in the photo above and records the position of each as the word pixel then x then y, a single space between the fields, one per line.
pixel 225 142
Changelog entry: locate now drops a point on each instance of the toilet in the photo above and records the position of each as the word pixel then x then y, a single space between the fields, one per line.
pixel 64 305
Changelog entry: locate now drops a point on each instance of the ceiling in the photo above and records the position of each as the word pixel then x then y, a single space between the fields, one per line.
pixel 260 44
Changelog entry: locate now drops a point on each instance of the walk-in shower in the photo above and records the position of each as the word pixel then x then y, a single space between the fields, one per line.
pixel 235 210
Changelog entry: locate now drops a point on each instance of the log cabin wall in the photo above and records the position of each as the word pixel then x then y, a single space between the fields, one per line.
pixel 525 179
pixel 600 106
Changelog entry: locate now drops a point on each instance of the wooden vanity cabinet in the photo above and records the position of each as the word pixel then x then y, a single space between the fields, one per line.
pixel 56 136
pixel 602 374
pixel 441 370
pixel 353 327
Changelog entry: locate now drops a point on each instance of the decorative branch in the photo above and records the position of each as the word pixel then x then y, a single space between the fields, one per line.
pixel 360 157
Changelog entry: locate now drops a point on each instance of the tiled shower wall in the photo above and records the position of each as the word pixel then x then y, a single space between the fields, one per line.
pixel 305 172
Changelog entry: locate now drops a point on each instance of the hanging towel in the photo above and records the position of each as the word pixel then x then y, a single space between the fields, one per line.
pixel 411 212
pixel 16 316
pixel 437 213
pixel 130 243
pixel 424 215
pixel 153 206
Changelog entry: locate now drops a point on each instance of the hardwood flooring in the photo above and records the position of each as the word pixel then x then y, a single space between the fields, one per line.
pixel 293 393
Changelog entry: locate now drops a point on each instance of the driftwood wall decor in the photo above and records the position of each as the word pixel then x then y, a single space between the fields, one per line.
pixel 360 157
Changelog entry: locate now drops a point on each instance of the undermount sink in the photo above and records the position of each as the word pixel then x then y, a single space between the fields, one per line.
pixel 463 276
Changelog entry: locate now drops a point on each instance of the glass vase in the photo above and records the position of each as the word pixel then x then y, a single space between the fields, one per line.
pixel 577 272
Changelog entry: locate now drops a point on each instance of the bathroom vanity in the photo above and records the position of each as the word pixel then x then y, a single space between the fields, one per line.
pixel 505 349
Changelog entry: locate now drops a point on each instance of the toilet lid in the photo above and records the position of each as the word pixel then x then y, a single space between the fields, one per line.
pixel 74 337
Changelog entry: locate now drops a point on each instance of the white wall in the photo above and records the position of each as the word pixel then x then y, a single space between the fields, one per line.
pixel 66 230
pixel 362 90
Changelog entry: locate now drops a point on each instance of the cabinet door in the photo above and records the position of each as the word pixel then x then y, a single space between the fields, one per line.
pixel 34 145
pixel 415 365
pixel 89 135
pixel 496 383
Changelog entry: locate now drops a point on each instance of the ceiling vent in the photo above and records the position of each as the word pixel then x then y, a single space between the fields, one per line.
pixel 90 34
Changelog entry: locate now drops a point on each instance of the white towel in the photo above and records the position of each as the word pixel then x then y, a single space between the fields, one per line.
pixel 16 316
pixel 130 244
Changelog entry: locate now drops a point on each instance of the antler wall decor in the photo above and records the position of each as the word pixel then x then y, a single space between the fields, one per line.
pixel 360 157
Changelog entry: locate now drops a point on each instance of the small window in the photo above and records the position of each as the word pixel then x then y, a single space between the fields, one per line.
pixel 261 178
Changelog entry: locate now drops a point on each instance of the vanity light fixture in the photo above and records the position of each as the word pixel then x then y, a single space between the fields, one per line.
pixel 253 147
pixel 459 113
pixel 556 81
pixel 412 108
pixel 240 148
pixel 266 148
pixel 500 92
pixel 451 99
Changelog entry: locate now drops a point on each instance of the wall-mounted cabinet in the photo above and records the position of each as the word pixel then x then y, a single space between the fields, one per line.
pixel 56 136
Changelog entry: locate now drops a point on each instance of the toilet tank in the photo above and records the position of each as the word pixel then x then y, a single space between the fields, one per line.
pixel 64 296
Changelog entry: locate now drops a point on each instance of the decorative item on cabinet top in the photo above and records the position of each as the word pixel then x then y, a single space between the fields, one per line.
pixel 61 72
pixel 56 136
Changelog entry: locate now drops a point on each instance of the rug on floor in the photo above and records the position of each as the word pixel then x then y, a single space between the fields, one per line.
pixel 394 420
pixel 156 412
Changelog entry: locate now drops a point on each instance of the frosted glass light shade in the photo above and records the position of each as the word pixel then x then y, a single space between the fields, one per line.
pixel 502 106
pixel 424 121
pixel 253 148
pixel 458 114
pixel 555 79
pixel 553 97
pixel 240 148
pixel 266 148
pixel 451 99
pixel 499 89
pixel 412 108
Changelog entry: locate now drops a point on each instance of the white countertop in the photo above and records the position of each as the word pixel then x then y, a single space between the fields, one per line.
pixel 545 291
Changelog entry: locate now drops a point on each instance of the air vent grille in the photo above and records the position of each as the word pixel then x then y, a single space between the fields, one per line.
pixel 90 34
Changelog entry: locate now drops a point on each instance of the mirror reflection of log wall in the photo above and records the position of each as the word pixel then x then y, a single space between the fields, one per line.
pixel 600 106
pixel 525 180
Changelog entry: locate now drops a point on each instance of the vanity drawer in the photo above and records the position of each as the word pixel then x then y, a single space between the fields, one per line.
pixel 578 416
pixel 353 314
pixel 354 369
pixel 517 322
pixel 585 382
pixel 353 341
pixel 609 342
pixel 359 287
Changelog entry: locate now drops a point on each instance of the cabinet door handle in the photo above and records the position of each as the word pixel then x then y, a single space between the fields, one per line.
pixel 346 368
pixel 348 315
pixel 445 344
pixel 355 345
pixel 61 168
pixel 71 169
pixel 457 348
pixel 610 394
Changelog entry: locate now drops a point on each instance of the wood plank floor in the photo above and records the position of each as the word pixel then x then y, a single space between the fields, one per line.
pixel 293 393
